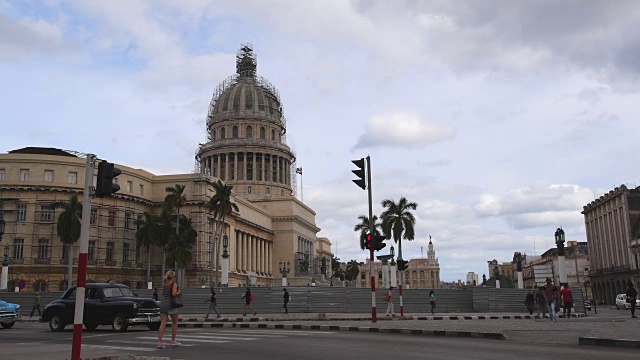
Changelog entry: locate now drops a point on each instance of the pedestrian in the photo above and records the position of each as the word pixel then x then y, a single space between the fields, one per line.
pixel 37 301
pixel 552 298
pixel 530 301
pixel 632 295
pixel 286 298
pixel 432 301
pixel 212 304
pixel 169 289
pixel 542 302
pixel 567 301
pixel 247 301
pixel 155 294
pixel 389 301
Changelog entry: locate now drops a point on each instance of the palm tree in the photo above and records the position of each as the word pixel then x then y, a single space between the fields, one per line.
pixel 221 205
pixel 165 231
pixel 146 235
pixel 68 228
pixel 363 227
pixel 353 270
pixel 398 221
pixel 180 245
pixel 176 199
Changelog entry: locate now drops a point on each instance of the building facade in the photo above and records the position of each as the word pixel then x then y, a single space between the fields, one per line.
pixel 472 279
pixel 613 228
pixel 537 269
pixel 246 148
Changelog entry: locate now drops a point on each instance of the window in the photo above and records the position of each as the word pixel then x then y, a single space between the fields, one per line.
pixel 91 253
pixel 24 174
pixel 267 190
pixel 48 176
pixel 73 177
pixel 94 216
pixel 281 192
pixel 21 212
pixel 262 133
pixel 129 186
pixel 1 174
pixel 223 133
pixel 249 190
pixel 127 220
pixel 112 218
pixel 46 214
pixel 249 134
pixel 141 189
pixel 43 249
pixel 40 285
pixel 18 249
pixel 139 221
pixel 111 246
pixel 234 132
pixel 125 252
pixel 273 135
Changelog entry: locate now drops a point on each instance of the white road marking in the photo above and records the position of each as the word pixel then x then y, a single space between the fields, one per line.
pixel 190 340
pixel 121 347
pixel 134 342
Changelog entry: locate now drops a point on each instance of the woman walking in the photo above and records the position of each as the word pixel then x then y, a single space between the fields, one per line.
pixel 169 289
pixel 389 300
pixel 432 301
pixel 247 302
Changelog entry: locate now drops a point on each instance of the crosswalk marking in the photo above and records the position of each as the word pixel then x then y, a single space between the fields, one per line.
pixel 252 334
pixel 134 342
pixel 285 332
pixel 182 339
pixel 120 347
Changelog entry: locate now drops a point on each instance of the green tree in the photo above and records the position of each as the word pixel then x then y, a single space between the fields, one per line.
pixel 165 231
pixel 363 227
pixel 175 199
pixel 180 246
pixel 353 270
pixel 220 205
pixel 146 235
pixel 68 228
pixel 398 222
pixel 337 270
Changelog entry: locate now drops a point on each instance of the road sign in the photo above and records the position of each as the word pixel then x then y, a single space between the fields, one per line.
pixel 21 276
pixel 22 283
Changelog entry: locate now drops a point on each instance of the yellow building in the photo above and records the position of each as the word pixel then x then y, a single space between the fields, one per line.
pixel 246 148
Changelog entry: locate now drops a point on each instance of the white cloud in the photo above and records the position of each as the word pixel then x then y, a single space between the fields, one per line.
pixel 404 130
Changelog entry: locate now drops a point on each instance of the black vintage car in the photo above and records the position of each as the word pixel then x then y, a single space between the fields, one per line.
pixel 105 304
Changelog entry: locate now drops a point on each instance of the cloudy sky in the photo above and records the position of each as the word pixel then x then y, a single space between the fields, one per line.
pixel 501 119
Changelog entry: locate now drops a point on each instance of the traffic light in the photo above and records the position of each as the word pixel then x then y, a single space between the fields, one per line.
pixel 402 264
pixel 367 241
pixel 106 173
pixel 378 242
pixel 361 182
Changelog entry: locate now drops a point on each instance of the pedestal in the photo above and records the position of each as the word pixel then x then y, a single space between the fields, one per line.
pixel 385 276
pixel 562 275
pixel 149 285
pixel 225 270
pixel 497 284
pixel 520 281
pixel 394 278
pixel 284 282
pixel 5 278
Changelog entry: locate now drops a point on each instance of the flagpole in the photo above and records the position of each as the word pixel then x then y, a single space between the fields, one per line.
pixel 301 188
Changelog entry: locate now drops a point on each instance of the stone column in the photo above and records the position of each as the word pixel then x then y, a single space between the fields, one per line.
pixel 277 161
pixel 562 271
pixel 520 281
pixel 244 165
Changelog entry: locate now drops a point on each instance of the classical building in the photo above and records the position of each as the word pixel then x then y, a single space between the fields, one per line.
pixel 613 228
pixel 472 279
pixel 246 148
pixel 421 273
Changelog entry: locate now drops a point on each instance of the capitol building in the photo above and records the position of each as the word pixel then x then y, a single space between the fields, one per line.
pixel 245 147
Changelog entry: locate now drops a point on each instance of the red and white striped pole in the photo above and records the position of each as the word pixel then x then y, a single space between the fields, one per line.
pixel 82 258
pixel 371 234
pixel 400 295
pixel 373 287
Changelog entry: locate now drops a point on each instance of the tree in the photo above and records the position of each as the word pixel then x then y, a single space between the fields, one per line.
pixel 147 234
pixel 398 222
pixel 220 205
pixel 165 231
pixel 353 270
pixel 363 227
pixel 337 270
pixel 180 246
pixel 68 228
pixel 175 199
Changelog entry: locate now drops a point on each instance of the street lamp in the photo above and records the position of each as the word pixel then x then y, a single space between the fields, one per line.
pixel 225 261
pixel 562 275
pixel 392 251
pixel 285 269
pixel 559 235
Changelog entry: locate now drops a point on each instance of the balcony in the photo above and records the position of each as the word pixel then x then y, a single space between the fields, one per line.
pixel 43 261
pixel 609 270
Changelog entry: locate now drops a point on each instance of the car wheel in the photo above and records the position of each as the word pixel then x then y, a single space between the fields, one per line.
pixel 119 323
pixel 8 326
pixel 56 323
pixel 154 326
pixel 91 326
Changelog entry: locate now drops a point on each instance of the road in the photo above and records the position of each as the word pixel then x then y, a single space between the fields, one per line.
pixel 35 341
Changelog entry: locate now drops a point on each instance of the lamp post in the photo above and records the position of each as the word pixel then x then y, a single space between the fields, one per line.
pixel 5 263
pixel 225 261
pixel 285 268
pixel 496 275
pixel 562 275
pixel 517 257
pixel 392 263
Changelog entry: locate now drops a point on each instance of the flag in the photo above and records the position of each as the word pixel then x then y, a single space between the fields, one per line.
pixel 299 170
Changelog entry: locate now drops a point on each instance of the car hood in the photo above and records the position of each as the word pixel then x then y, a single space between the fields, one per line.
pixel 5 306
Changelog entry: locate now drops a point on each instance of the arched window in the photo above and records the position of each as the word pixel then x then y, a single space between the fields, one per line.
pixel 234 132
pixel 379 275
pixel 249 190
pixel 363 276
pixel 249 134
pixel 273 135
pixel 267 190
pixel 262 133
pixel 40 285
pixel 223 133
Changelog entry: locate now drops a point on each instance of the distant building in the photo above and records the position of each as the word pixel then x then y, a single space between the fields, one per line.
pixel 472 279
pixel 576 267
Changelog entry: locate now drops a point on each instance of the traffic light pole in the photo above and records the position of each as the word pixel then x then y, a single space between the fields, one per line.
pixel 82 258
pixel 371 268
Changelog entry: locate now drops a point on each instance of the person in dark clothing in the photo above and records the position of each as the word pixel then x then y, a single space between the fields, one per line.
pixel 155 294
pixel 632 295
pixel 247 302
pixel 212 304
pixel 542 303
pixel 286 299
pixel 530 302
pixel 432 301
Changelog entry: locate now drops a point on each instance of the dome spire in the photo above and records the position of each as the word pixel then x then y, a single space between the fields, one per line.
pixel 246 63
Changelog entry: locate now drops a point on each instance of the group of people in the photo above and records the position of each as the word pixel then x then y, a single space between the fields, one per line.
pixel 390 307
pixel 550 299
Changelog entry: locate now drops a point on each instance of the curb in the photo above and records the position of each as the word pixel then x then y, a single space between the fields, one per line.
pixel 624 343
pixel 482 317
pixel 467 334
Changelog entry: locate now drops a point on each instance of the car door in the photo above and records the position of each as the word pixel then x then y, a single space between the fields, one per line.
pixel 69 306
pixel 92 313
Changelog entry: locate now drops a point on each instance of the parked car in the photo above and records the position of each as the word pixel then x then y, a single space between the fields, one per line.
pixel 8 314
pixel 587 304
pixel 621 302
pixel 105 304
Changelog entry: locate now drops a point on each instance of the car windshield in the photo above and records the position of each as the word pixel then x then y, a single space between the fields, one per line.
pixel 117 292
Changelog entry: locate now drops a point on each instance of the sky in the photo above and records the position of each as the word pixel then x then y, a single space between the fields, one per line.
pixel 500 119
